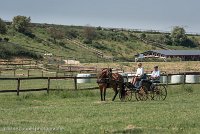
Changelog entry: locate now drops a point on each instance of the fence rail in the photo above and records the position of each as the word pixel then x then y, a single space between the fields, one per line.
pixel 74 78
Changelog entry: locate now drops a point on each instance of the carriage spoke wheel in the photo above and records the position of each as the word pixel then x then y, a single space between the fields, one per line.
pixel 151 92
pixel 128 94
pixel 159 92
pixel 142 94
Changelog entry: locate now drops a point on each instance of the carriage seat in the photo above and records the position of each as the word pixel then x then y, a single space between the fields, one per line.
pixel 156 81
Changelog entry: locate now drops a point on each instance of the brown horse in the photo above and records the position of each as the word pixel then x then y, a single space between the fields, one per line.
pixel 107 79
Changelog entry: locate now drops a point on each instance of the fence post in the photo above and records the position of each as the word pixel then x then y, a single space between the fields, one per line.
pixel 22 63
pixel 42 74
pixel 58 70
pixel 48 86
pixel 7 64
pixel 167 79
pixel 56 73
pixel 14 72
pixel 75 83
pixel 28 72
pixel 18 86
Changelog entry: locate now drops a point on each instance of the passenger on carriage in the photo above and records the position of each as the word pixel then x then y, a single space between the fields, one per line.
pixel 139 74
pixel 155 75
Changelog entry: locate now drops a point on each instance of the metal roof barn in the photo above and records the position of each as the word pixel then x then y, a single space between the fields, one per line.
pixel 185 55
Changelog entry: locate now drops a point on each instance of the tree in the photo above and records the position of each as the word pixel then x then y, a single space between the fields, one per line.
pixel 165 38
pixel 56 33
pixel 90 34
pixel 21 23
pixel 143 35
pixel 178 35
pixel 72 34
pixel 2 27
pixel 99 28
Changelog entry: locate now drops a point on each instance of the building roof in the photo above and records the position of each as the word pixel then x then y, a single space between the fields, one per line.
pixel 176 52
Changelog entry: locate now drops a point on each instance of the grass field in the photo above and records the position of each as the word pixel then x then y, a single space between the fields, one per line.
pixel 82 112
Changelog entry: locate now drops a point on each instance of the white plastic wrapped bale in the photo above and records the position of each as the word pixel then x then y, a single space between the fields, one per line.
pixel 192 79
pixel 125 76
pixel 163 79
pixel 177 79
pixel 82 80
pixel 199 78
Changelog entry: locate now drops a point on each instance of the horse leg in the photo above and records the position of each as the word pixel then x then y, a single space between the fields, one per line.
pixel 116 92
pixel 122 90
pixel 104 94
pixel 101 93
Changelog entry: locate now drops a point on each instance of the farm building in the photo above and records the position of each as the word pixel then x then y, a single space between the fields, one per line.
pixel 185 55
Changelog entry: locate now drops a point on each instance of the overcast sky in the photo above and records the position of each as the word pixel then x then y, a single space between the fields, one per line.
pixel 134 14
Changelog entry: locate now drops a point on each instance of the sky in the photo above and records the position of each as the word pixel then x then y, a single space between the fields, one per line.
pixel 160 15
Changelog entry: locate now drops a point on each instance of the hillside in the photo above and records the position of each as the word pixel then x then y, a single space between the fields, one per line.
pixel 10 50
pixel 73 42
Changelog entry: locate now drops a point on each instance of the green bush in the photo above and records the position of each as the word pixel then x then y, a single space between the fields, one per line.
pixel 119 37
pixel 143 35
pixel 29 34
pixel 6 39
pixel 72 34
pixel 87 41
pixel 38 40
pixel 100 46
pixel 99 28
pixel 61 43
pixel 8 50
pixel 3 28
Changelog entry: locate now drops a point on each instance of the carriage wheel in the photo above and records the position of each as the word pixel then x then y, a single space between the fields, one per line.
pixel 142 94
pixel 159 92
pixel 151 92
pixel 128 94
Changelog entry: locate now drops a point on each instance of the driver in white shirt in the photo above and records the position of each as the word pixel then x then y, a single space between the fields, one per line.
pixel 139 74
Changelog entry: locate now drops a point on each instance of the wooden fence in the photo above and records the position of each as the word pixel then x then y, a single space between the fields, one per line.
pixel 74 78
pixel 47 88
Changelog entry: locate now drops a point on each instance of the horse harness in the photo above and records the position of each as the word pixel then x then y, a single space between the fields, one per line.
pixel 107 80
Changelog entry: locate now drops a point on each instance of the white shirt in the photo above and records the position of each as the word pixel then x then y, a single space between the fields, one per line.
pixel 139 72
pixel 155 74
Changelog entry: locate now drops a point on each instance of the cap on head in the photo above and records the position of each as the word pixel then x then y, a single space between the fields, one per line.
pixel 139 64
pixel 156 67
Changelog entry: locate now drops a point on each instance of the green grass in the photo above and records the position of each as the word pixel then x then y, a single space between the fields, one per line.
pixel 9 50
pixel 122 45
pixel 82 112
pixel 65 84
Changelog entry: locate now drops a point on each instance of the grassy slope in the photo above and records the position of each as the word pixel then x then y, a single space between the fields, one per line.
pixel 82 112
pixel 9 50
pixel 118 48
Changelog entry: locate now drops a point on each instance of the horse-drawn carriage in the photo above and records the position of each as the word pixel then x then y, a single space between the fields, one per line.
pixel 148 90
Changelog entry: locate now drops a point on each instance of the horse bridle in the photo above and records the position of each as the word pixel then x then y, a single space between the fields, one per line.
pixel 106 79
